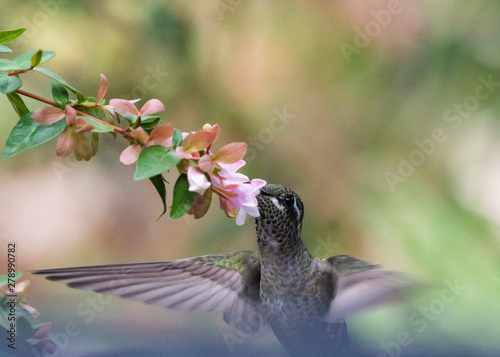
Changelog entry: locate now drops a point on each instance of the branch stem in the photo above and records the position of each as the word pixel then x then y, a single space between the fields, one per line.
pixel 117 129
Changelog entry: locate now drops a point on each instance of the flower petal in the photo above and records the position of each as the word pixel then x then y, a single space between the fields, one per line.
pixel 257 184
pixel 231 153
pixel 214 130
pixel 48 115
pixel 70 114
pixel 198 182
pixel 162 132
pixel 228 207
pixel 31 310
pixel 229 171
pixel 206 163
pixel 182 153
pixel 152 106
pixel 201 204
pixel 130 154
pixel 103 88
pixel 124 106
pixel 65 142
pixel 199 141
pixel 240 217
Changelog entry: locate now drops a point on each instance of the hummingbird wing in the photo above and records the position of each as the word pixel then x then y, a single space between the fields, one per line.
pixel 361 285
pixel 227 283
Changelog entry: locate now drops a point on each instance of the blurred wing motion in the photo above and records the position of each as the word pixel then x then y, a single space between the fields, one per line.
pixel 227 283
pixel 361 285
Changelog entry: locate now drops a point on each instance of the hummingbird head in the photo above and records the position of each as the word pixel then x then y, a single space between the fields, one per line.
pixel 281 212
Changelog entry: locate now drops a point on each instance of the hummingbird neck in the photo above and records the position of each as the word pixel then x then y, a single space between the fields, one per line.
pixel 276 245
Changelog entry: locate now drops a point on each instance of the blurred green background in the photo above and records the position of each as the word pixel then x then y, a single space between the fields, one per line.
pixel 382 115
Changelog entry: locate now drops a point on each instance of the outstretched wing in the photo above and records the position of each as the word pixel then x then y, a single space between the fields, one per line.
pixel 227 283
pixel 362 285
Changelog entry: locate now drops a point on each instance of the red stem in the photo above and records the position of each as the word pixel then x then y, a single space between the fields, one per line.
pixel 20 71
pixel 36 97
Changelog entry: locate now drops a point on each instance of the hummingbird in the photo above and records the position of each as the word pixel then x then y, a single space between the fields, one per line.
pixel 304 299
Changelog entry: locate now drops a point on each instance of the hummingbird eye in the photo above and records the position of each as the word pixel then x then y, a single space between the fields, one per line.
pixel 289 201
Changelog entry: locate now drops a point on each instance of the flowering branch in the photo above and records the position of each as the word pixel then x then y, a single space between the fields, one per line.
pixel 155 148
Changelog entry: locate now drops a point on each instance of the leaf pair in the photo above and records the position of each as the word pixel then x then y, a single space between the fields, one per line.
pixel 9 82
pixel 152 162
pixel 182 198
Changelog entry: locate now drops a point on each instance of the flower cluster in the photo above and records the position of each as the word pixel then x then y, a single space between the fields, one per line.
pixel 206 171
pixel 218 172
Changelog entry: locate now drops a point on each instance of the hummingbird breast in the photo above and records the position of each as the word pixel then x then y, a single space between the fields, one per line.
pixel 294 293
pixel 295 298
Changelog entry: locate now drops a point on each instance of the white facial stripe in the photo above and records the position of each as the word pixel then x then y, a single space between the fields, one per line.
pixel 276 203
pixel 296 208
pixel 281 207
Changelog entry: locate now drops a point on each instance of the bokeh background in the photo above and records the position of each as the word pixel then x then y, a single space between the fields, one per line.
pixel 382 115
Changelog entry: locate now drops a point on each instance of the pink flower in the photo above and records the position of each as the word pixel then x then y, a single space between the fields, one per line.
pixel 246 201
pixel 126 107
pixel 202 141
pixel 198 141
pixel 198 182
pixel 72 139
pixel 50 115
pixel 228 154
pixel 141 140
pixel 103 88
pixel 208 172
pixel 246 191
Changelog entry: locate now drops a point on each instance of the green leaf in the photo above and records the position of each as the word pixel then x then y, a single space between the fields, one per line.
pixel 26 59
pixel 59 93
pixel 36 59
pixel 9 84
pixel 18 104
pixel 177 138
pixel 28 133
pixel 6 36
pixel 183 198
pixel 99 127
pixel 6 65
pixel 148 122
pixel 5 49
pixel 159 184
pixel 148 119
pixel 154 160
pixel 150 125
pixel 4 279
pixel 88 102
pixel 52 75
